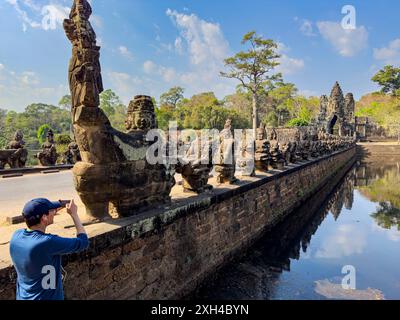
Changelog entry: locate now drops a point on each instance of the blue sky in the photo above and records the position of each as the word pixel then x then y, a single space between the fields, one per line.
pixel 150 46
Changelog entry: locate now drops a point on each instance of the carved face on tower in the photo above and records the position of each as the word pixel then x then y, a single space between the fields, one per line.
pixel 141 115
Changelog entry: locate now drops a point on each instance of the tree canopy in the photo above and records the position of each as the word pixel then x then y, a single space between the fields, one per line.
pixel 171 98
pixel 113 108
pixel 389 79
pixel 252 67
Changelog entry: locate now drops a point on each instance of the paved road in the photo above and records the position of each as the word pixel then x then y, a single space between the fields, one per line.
pixel 15 192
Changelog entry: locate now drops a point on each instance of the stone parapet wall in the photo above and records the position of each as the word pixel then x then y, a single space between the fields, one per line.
pixel 167 253
pixel 289 134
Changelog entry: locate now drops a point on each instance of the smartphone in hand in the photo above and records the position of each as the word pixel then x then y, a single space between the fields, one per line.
pixel 64 203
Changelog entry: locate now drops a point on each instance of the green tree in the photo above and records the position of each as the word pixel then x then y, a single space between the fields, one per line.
pixel 66 102
pixel 108 101
pixel 205 111
pixel 278 102
pixel 298 122
pixel 252 67
pixel 172 97
pixel 239 102
pixel 387 216
pixel 164 115
pixel 3 136
pixel 113 108
pixel 382 109
pixel 389 79
pixel 42 133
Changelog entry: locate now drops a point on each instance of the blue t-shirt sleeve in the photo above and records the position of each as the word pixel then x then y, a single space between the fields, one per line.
pixel 61 246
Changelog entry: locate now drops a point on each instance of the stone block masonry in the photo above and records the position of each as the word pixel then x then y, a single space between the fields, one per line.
pixel 167 253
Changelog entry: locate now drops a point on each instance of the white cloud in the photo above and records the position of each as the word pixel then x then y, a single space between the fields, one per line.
pixel 204 45
pixel 393 234
pixel 178 45
pixel 97 21
pixel 99 41
pixel 53 16
pixel 125 85
pixel 169 74
pixel 389 54
pixel 205 40
pixel 29 78
pixel 46 17
pixel 347 42
pixel 124 51
pixel 288 65
pixel 309 93
pixel 345 241
pixel 149 67
pixel 17 90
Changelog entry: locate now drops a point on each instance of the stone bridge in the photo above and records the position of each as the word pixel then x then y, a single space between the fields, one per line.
pixel 151 238
pixel 166 253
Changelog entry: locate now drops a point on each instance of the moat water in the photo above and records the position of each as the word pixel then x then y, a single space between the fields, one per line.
pixel 352 238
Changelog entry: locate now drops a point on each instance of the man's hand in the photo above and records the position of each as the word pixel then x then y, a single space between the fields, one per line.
pixel 72 209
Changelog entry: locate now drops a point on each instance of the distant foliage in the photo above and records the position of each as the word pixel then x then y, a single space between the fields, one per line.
pixel 298 122
pixel 389 80
pixel 66 102
pixel 113 108
pixel 29 122
pixel 63 139
pixel 201 111
pixel 382 109
pixel 42 133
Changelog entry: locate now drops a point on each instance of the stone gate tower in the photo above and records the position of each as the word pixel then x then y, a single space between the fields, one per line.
pixel 337 110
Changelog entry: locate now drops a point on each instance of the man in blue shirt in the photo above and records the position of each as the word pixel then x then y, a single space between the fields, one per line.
pixel 37 256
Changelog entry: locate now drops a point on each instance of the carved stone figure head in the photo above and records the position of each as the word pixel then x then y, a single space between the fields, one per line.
pixel 141 115
pixel 261 132
pixel 18 136
pixel 50 136
pixel 81 8
pixel 228 124
pixel 297 136
pixel 273 135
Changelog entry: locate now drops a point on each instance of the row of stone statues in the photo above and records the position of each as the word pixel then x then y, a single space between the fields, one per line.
pixel 267 154
pixel 115 174
pixel 272 154
pixel 16 155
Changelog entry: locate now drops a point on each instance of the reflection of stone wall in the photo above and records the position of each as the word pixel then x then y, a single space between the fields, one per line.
pixel 167 254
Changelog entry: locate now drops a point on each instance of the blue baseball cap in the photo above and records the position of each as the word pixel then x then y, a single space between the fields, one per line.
pixel 39 207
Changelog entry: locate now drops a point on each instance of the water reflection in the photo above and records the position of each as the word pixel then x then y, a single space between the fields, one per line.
pixel 357 224
pixel 382 184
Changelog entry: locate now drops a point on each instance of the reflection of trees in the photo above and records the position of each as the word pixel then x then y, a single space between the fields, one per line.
pixel 387 216
pixel 254 276
pixel 384 188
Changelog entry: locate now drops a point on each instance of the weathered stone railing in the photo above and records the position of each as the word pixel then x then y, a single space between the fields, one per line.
pixel 166 253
